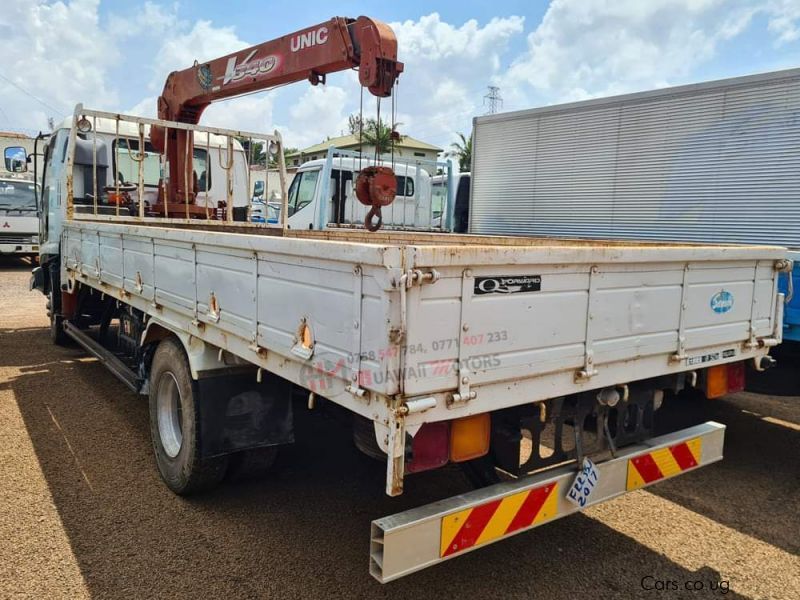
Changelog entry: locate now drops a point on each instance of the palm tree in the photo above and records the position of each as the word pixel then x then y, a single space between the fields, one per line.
pixel 463 151
pixel 378 135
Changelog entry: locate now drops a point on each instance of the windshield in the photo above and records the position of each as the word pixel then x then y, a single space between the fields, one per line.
pixel 301 192
pixel 127 152
pixel 17 195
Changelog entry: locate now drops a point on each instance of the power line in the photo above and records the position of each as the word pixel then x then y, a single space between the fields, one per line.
pixel 493 99
pixel 27 93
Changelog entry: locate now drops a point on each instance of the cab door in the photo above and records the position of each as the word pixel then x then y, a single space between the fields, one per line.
pixel 51 201
pixel 303 198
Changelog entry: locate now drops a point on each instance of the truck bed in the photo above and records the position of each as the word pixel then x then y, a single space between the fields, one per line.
pixel 403 315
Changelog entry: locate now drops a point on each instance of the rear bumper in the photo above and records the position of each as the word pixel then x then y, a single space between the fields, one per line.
pixel 421 537
pixel 27 249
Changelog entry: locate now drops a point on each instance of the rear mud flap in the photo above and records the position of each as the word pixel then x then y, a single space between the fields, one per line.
pixel 237 413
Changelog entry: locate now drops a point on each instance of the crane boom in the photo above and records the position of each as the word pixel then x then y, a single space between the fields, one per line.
pixel 309 54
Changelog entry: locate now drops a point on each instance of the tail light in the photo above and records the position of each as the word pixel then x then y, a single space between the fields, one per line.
pixel 724 379
pixel 430 448
pixel 469 437
pixel 458 440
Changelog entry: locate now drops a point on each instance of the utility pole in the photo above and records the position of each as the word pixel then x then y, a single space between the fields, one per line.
pixel 493 99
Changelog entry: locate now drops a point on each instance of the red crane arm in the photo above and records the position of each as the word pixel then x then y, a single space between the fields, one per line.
pixel 311 53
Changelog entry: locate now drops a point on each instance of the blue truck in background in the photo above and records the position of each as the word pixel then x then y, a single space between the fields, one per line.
pixel 791 286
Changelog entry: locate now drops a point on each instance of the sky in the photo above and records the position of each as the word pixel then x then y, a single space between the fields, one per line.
pixel 115 55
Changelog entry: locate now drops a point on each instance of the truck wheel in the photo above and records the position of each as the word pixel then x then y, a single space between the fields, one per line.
pixel 252 464
pixel 57 334
pixel 174 426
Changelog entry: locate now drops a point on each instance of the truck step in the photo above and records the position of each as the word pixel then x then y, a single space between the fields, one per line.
pixel 122 371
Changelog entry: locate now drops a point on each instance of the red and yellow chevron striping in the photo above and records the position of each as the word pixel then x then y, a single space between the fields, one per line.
pixel 492 520
pixel 663 463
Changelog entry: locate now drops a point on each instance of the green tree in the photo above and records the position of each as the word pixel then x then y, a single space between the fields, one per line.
pixel 463 151
pixel 354 123
pixel 379 135
pixel 255 153
pixel 273 160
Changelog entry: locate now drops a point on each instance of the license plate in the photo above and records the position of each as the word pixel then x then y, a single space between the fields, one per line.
pixel 585 482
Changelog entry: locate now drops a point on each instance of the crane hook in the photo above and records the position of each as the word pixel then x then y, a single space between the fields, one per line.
pixel 375 187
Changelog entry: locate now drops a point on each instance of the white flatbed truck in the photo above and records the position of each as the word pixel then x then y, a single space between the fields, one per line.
pixel 532 361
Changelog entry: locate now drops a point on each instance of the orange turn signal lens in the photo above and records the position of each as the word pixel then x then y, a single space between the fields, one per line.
pixel 716 381
pixel 469 437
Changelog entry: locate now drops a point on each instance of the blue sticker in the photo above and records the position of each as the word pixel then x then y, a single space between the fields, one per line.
pixel 722 302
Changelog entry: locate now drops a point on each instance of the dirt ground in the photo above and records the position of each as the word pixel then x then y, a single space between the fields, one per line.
pixel 84 514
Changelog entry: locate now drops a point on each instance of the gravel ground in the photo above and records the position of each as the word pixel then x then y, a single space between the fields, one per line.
pixel 83 513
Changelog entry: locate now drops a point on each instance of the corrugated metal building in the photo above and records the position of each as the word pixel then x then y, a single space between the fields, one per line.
pixel 712 162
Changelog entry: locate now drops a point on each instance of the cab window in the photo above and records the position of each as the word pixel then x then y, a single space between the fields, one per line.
pixel 127 152
pixel 405 185
pixel 438 198
pixel 301 192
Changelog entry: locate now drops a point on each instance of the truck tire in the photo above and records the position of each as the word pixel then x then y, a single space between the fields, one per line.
pixel 252 464
pixel 57 334
pixel 364 438
pixel 174 426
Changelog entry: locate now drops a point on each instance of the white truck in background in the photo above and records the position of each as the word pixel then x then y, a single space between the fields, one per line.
pixel 322 193
pixel 19 222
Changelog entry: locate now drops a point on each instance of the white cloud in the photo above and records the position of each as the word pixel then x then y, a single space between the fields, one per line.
pixel 202 42
pixel 318 114
pixel 585 48
pixel 63 52
pixel 248 113
pixel 148 20
pixel 784 20
pixel 57 52
pixel 447 69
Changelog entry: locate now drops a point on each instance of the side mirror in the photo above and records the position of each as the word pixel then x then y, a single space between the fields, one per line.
pixel 16 159
pixel 258 189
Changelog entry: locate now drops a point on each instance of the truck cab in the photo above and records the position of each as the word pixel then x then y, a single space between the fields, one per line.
pixel 459 183
pixel 322 194
pixel 19 224
pixel 107 160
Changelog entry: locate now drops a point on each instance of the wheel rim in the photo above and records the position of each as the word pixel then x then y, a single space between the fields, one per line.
pixel 168 401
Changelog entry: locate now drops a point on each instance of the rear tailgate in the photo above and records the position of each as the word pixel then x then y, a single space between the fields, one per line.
pixel 566 317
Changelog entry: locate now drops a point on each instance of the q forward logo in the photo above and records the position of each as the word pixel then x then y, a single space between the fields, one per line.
pixel 507 284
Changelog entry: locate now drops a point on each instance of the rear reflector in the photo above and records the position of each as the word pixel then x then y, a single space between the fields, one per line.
pixel 430 448
pixel 469 437
pixel 724 379
pixel 736 379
